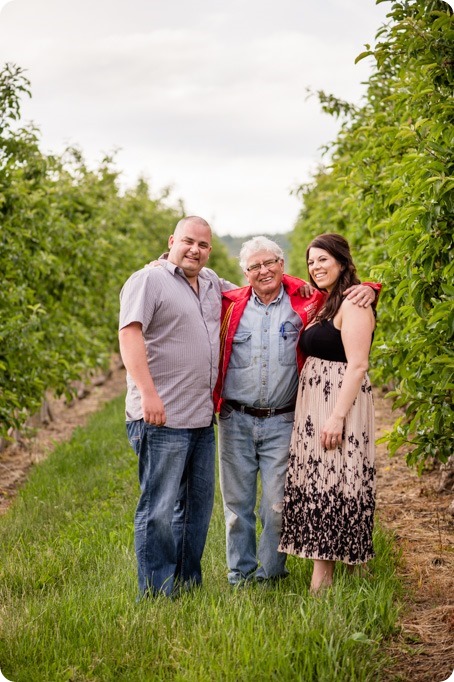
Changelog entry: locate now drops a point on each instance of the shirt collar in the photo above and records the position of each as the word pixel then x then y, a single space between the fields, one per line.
pixel 275 300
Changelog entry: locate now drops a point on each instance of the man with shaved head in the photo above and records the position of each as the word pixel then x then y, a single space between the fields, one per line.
pixel 169 342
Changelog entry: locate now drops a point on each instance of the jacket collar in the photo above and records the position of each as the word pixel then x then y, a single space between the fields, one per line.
pixel 291 286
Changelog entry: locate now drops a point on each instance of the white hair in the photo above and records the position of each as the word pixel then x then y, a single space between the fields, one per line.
pixel 255 245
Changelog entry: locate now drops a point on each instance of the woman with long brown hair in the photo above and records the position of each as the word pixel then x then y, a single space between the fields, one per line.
pixel 329 496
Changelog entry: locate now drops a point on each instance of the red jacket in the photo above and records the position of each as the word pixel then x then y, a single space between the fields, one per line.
pixel 233 305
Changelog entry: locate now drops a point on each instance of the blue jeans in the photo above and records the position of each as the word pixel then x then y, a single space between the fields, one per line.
pixel 176 475
pixel 249 445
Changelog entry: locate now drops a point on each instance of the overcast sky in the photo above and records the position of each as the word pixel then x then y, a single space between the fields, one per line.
pixel 208 97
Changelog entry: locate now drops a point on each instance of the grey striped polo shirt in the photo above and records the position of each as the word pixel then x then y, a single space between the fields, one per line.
pixel 181 335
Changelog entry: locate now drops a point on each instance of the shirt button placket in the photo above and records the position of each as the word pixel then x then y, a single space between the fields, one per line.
pixel 265 345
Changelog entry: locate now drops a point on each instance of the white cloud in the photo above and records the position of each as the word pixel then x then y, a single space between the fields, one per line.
pixel 207 96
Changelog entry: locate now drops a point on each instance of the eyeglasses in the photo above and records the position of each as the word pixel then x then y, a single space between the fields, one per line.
pixel 268 264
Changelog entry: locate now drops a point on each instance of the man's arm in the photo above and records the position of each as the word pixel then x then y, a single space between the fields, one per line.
pixel 134 356
pixel 363 295
pixel 226 285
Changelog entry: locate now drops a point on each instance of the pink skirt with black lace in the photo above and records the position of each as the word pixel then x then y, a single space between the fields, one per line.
pixel 329 498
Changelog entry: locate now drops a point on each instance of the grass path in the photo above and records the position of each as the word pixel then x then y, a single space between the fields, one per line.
pixel 68 588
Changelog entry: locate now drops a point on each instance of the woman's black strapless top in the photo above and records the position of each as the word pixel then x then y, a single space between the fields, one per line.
pixel 324 341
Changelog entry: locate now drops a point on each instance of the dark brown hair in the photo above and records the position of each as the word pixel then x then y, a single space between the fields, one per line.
pixel 338 247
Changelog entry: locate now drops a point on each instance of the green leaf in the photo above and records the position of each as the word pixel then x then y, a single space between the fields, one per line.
pixel 363 55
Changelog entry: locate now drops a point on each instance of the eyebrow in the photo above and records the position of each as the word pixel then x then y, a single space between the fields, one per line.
pixel 190 239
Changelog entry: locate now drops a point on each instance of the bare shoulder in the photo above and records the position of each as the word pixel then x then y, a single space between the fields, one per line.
pixel 352 311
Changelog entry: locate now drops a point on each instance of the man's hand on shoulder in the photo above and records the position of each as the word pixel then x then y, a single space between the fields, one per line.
pixel 153 264
pixel 360 294
pixel 306 290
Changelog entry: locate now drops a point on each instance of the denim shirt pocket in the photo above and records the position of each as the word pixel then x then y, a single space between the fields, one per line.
pixel 288 338
pixel 241 350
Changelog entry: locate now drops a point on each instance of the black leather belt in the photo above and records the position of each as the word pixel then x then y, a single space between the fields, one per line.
pixel 262 412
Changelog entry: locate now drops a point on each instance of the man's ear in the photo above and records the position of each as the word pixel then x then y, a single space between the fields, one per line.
pixel 170 242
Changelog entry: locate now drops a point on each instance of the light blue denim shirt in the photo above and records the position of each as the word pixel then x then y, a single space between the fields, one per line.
pixel 262 370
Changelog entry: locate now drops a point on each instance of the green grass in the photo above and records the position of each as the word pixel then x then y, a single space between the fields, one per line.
pixel 68 591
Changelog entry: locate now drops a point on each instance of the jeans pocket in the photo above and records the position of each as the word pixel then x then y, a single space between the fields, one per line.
pixel 225 412
pixel 288 417
pixel 134 431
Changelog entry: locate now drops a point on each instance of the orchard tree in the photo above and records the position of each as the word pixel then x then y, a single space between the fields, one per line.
pixel 389 188
pixel 69 239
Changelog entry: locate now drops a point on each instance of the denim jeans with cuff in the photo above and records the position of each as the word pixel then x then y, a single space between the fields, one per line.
pixel 249 445
pixel 176 476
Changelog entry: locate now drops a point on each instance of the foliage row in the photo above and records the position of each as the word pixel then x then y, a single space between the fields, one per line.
pixel 389 189
pixel 68 241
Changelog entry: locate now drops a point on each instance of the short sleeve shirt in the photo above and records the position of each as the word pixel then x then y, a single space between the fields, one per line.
pixel 181 334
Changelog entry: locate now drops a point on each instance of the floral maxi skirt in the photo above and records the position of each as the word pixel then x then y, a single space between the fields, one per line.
pixel 329 497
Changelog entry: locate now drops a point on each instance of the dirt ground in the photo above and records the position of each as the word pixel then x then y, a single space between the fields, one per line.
pixel 418 516
pixel 423 649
